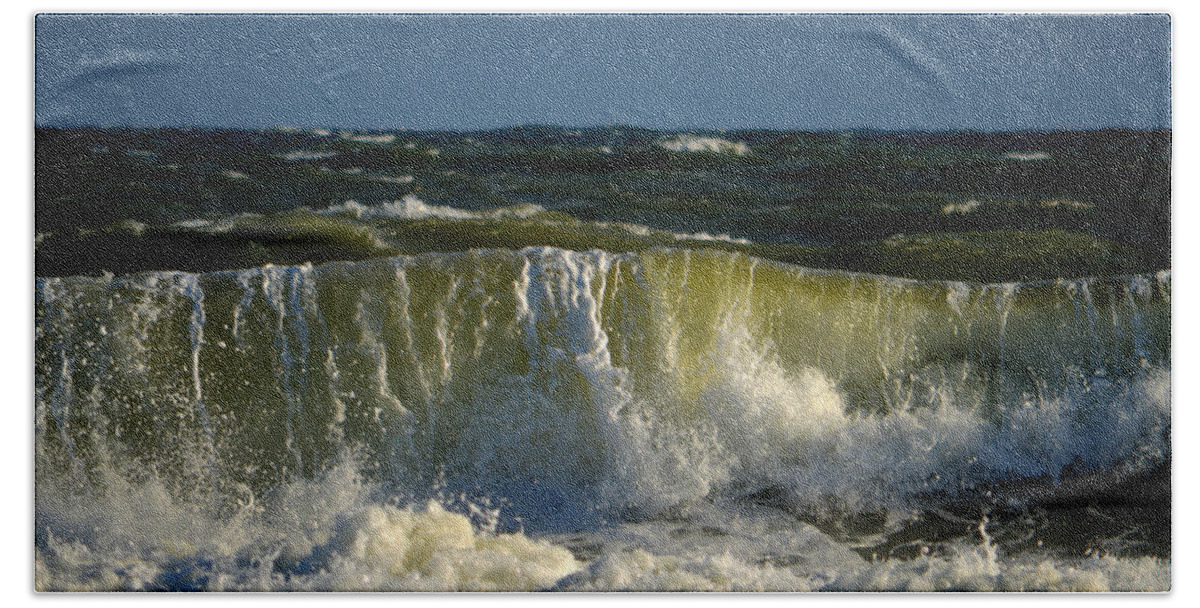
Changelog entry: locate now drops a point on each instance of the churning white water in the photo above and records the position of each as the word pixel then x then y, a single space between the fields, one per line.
pixel 548 419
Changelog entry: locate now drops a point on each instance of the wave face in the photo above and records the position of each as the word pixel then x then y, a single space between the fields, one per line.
pixel 576 388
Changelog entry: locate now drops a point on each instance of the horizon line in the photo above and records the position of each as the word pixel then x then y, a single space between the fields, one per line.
pixel 284 128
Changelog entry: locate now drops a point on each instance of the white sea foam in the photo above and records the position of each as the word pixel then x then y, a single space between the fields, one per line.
pixel 328 534
pixel 640 230
pixel 964 570
pixel 794 430
pixel 1027 156
pixel 704 236
pixel 962 208
pixel 695 143
pixel 413 208
pixel 393 179
pixel 964 567
pixel 307 155
pixel 743 550
pixel 386 138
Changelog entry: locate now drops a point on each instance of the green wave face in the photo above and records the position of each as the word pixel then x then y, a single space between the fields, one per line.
pixel 645 380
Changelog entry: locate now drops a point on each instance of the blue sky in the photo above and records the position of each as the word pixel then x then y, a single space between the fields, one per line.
pixel 816 72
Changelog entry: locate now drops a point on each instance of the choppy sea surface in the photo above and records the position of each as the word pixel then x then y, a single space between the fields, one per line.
pixel 412 394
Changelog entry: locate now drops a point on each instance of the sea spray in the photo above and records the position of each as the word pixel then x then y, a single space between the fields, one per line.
pixel 581 387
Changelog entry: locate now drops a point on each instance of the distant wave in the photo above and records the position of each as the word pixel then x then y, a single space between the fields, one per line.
pixel 696 143
pixel 413 208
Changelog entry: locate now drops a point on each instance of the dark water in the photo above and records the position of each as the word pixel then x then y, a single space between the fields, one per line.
pixel 575 360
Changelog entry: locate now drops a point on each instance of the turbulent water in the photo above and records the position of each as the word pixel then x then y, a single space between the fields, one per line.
pixel 544 358
pixel 542 418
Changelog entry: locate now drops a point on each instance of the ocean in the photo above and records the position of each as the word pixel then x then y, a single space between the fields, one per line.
pixel 493 362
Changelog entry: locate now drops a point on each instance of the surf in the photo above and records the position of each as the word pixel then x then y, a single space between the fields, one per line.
pixel 583 388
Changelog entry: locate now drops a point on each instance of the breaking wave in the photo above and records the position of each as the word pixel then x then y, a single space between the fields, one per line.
pixel 281 427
